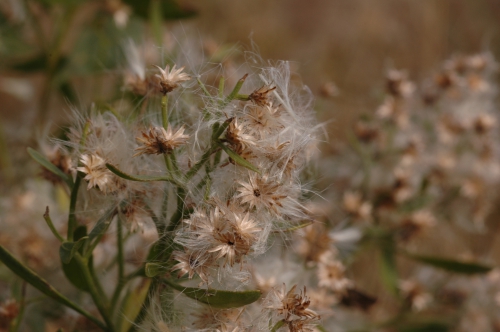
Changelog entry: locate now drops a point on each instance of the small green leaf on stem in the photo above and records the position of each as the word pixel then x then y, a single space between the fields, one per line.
pixel 239 159
pixel 68 249
pixel 101 225
pixel 154 269
pixel 39 158
pixel 219 299
pixel 236 89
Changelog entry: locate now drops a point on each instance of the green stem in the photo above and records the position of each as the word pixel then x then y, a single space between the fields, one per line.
pixel 74 191
pixel 164 205
pixel 277 326
pixel 203 88
pixel 164 111
pixel 160 226
pixel 14 327
pixel 174 223
pixel 93 290
pixel 72 207
pixel 119 243
pixel 204 158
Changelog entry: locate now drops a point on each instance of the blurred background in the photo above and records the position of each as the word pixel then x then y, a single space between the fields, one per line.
pixel 350 42
pixel 353 42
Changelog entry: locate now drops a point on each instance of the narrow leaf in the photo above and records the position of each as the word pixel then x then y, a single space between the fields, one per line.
pixel 130 308
pixel 426 327
pixel 68 249
pixel 139 178
pixel 219 299
pixel 39 283
pixel 170 9
pixel 388 269
pixel 451 265
pixel 102 225
pixel 39 158
pixel 239 159
pixel 293 228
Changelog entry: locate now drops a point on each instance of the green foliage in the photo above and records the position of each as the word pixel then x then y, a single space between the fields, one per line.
pixel 451 265
pixel 39 158
pixel 169 9
pixel 219 299
pixel 72 270
pixel 67 250
pixel 40 284
pixel 239 159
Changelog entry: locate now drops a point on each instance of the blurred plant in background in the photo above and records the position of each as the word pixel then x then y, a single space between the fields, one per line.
pixel 185 189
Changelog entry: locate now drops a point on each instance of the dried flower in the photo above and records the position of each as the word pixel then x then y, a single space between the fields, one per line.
pixel 236 136
pixel 191 263
pixel 160 141
pixel 289 305
pixel 261 192
pixel 170 79
pixel 97 173
pixel 260 96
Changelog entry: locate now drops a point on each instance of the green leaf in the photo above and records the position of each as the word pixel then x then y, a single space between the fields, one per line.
pixel 130 308
pixel 451 265
pixel 425 327
pixel 102 225
pixel 238 159
pixel 39 283
pixel 170 9
pixel 140 178
pixel 72 270
pixel 68 249
pixel 38 63
pixel 388 268
pixel 278 325
pixel 39 158
pixel 219 299
pixel 154 269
